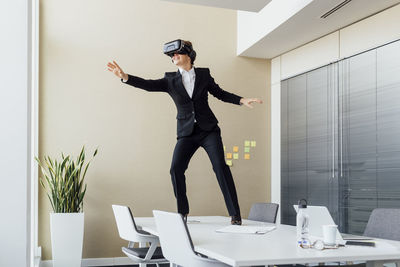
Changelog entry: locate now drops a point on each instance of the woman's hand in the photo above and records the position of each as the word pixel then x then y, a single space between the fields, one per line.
pixel 114 68
pixel 248 101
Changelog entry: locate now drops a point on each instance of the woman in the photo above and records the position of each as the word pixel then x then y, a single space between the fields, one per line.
pixel 197 125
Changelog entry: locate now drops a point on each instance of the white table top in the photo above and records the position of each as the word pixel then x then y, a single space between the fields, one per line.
pixel 275 247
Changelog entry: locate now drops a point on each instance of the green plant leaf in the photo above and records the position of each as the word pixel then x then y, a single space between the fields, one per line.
pixel 64 181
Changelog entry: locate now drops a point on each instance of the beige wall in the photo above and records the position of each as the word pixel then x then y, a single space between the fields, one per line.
pixel 81 103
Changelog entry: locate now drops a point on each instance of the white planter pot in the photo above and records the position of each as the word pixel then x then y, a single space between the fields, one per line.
pixel 66 239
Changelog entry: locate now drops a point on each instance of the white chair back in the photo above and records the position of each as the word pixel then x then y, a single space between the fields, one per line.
pixel 127 230
pixel 174 238
pixel 176 243
pixel 126 225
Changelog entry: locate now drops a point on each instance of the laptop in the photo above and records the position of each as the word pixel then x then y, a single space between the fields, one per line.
pixel 319 216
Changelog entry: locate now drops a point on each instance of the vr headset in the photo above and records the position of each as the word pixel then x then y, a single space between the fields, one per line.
pixel 179 47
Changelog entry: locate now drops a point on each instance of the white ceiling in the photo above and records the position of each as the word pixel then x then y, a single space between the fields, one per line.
pixel 307 25
pixel 244 5
pixel 303 27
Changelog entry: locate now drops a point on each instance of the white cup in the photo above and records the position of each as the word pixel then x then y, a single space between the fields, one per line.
pixel 329 232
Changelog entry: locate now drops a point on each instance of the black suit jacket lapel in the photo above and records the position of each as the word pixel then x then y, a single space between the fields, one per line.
pixel 196 82
pixel 178 85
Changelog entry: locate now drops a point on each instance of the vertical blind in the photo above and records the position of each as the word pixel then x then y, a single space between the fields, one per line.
pixel 340 137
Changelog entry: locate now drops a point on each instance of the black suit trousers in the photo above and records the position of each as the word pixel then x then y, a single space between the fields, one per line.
pixel 185 148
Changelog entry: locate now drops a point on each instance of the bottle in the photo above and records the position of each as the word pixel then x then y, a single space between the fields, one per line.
pixel 302 223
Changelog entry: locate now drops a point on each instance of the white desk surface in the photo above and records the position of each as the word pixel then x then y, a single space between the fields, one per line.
pixel 276 247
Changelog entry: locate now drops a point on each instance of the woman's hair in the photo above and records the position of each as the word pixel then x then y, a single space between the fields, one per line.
pixel 193 54
pixel 188 43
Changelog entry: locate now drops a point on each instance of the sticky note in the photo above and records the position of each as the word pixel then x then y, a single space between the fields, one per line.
pixel 247 149
pixel 224 148
pixel 246 156
pixel 246 143
pixel 253 143
pixel 235 155
pixel 228 155
pixel 235 149
pixel 229 163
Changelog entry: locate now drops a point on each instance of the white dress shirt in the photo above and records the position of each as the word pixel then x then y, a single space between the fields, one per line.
pixel 188 78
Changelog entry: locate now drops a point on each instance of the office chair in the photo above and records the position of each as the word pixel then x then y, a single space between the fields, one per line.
pixel 264 212
pixel 382 223
pixel 177 244
pixel 128 231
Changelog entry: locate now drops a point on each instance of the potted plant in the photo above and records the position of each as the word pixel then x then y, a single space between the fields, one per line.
pixel 64 183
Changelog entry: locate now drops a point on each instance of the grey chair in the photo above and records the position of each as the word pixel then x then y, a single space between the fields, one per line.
pixel 264 212
pixel 384 223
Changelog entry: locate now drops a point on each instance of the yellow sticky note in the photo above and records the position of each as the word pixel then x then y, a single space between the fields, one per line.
pixel 235 149
pixel 229 163
pixel 246 156
pixel 253 143
pixel 246 143
pixel 235 155
pixel 228 155
pixel 224 148
pixel 247 149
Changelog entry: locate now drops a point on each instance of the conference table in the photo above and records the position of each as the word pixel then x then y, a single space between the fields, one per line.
pixel 275 247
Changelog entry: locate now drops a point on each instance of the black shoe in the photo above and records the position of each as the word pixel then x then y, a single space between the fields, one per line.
pixel 236 220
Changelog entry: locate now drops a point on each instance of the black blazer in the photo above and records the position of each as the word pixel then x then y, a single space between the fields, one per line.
pixel 188 108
